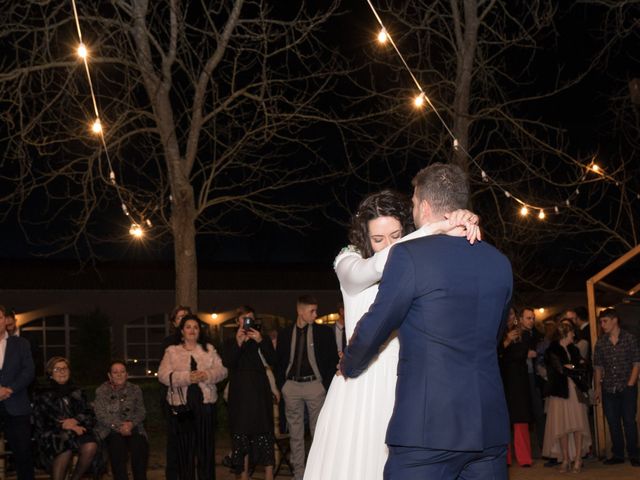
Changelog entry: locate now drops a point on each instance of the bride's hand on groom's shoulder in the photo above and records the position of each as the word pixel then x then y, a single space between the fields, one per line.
pixel 461 223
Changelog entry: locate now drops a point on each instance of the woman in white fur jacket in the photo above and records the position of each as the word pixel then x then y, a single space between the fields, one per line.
pixel 191 371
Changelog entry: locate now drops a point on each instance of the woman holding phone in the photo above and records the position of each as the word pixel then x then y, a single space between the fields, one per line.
pixel 246 356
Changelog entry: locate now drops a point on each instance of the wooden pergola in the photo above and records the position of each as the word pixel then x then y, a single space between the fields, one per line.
pixel 597 281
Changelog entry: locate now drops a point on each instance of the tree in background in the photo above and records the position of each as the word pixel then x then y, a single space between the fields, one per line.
pixel 496 72
pixel 210 114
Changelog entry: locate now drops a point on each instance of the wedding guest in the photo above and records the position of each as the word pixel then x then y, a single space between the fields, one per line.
pixel 616 364
pixel 120 413
pixel 514 353
pixel 307 358
pixel 64 424
pixel 191 371
pixel 16 374
pixel 250 396
pixel 567 435
pixel 174 338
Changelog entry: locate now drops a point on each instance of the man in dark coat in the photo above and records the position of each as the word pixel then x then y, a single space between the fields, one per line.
pixel 16 374
pixel 307 356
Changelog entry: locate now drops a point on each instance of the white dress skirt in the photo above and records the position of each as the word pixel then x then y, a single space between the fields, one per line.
pixel 349 440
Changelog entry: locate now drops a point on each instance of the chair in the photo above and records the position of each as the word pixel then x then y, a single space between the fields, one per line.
pixel 281 445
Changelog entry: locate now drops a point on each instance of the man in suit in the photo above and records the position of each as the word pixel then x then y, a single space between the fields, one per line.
pixel 16 374
pixel 448 300
pixel 306 363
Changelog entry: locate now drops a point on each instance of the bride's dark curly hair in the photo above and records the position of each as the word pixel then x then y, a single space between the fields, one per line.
pixel 386 203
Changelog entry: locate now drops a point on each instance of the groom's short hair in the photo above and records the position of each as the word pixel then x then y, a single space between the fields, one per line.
pixel 443 186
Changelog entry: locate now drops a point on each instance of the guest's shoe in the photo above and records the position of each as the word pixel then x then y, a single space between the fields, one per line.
pixel 552 462
pixel 577 466
pixel 564 467
pixel 634 462
pixel 613 461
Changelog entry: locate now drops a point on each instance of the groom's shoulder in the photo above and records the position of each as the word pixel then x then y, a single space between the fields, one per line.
pixel 437 244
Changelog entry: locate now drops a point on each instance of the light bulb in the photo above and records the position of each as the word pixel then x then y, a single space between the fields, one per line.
pixel 383 36
pixel 524 211
pixel 136 231
pixel 419 100
pixel 541 215
pixel 214 315
pixel 96 127
pixel 82 51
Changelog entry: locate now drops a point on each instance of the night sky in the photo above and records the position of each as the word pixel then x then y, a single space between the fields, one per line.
pixel 580 110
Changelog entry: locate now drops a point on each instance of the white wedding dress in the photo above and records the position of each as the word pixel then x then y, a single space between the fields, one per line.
pixel 349 439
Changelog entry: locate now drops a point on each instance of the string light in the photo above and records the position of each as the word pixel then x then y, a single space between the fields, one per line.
pixel 382 36
pixel 420 100
pixel 96 127
pixel 524 211
pixel 82 51
pixel 136 231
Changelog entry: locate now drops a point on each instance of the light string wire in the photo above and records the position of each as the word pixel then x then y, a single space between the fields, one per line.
pixel 136 229
pixel 525 206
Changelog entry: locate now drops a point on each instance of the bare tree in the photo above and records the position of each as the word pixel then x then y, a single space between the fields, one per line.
pixel 210 109
pixel 478 61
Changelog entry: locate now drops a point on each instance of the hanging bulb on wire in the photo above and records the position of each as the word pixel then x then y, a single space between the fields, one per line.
pixel 524 211
pixel 419 100
pixel 82 51
pixel 96 127
pixel 541 215
pixel 383 36
pixel 136 231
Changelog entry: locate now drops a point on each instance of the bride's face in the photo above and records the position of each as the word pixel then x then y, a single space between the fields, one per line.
pixel 384 231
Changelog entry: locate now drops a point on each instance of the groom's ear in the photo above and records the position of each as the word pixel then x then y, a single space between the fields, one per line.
pixel 426 212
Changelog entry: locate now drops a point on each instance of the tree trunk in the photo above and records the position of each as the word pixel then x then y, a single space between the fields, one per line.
pixel 464 75
pixel 184 244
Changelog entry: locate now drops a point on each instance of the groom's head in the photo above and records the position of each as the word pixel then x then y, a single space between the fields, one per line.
pixel 438 189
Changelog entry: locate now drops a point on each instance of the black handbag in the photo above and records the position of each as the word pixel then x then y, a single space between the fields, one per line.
pixel 181 412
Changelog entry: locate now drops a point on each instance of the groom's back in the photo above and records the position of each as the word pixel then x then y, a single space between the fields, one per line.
pixel 448 352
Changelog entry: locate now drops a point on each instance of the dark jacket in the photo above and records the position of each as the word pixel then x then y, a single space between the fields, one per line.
pixel 448 300
pixel 324 346
pixel 17 373
pixel 557 375
pixel 515 377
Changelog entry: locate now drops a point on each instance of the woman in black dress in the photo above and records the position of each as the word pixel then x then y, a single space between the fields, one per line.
pixel 514 352
pixel 64 423
pixel 250 398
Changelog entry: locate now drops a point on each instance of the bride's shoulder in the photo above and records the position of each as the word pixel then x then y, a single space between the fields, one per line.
pixel 348 251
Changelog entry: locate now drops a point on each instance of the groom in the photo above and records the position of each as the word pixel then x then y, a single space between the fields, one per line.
pixel 448 300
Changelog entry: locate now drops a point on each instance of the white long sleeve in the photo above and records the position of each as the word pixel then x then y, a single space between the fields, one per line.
pixel 356 273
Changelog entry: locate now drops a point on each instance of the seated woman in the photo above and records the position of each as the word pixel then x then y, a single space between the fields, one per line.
pixel 120 412
pixel 191 371
pixel 63 424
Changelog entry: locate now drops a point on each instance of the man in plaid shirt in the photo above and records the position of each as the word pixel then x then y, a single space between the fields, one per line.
pixel 616 364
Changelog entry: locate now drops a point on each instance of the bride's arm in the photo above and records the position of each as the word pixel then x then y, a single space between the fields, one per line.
pixel 356 273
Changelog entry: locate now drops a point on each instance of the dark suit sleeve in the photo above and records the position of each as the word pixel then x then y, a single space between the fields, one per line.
pixel 387 313
pixel 27 369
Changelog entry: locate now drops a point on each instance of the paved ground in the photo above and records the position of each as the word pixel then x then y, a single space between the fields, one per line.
pixel 592 470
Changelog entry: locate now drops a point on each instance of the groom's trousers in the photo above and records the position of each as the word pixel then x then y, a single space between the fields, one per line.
pixel 410 463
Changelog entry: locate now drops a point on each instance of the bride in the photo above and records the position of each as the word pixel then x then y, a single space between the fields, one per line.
pixel 349 441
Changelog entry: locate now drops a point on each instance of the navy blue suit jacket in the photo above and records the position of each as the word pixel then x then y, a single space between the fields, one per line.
pixel 448 299
pixel 17 373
